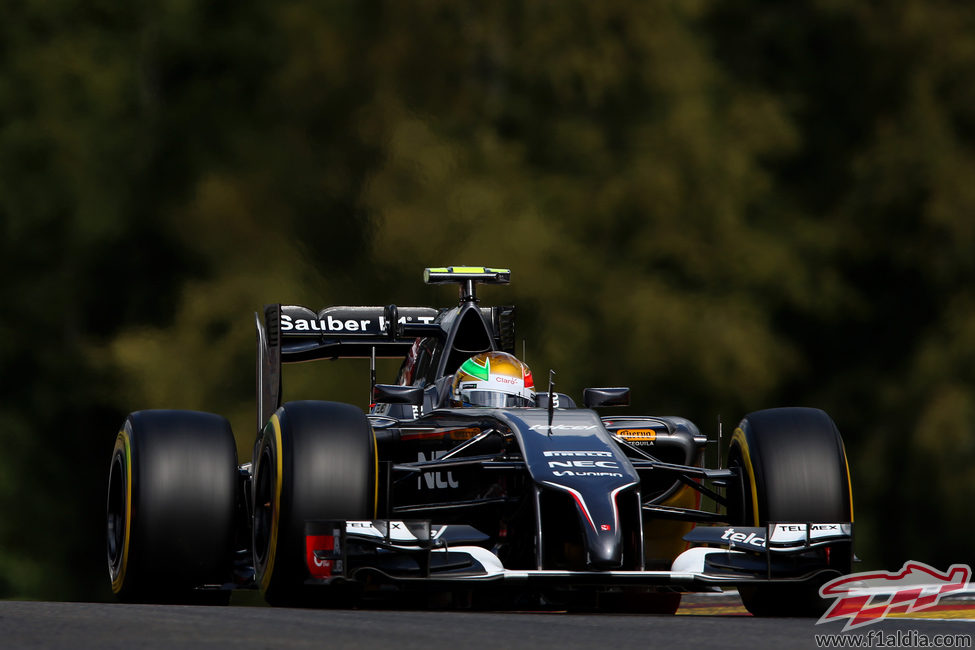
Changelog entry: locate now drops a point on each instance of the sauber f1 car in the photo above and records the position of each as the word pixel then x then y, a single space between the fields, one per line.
pixel 543 501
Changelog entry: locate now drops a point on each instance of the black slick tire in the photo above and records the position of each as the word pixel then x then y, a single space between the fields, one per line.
pixel 794 469
pixel 313 461
pixel 171 507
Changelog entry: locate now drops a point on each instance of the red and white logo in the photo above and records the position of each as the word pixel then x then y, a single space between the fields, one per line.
pixel 319 567
pixel 865 598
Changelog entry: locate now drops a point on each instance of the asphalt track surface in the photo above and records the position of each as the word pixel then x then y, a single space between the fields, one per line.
pixel 26 624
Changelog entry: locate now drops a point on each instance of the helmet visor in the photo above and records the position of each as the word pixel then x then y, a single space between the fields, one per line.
pixel 493 399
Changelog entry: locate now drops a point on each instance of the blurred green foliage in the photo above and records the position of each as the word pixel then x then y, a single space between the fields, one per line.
pixel 726 206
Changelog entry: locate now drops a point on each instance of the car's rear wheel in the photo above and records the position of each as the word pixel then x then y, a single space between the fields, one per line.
pixel 794 469
pixel 313 461
pixel 171 507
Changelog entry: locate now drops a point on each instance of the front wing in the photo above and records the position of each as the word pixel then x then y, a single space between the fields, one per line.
pixel 412 552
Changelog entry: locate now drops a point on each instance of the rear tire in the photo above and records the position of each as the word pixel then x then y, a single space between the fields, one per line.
pixel 313 461
pixel 794 469
pixel 171 507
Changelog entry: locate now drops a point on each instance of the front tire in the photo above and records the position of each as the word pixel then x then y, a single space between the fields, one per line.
pixel 171 507
pixel 313 461
pixel 794 469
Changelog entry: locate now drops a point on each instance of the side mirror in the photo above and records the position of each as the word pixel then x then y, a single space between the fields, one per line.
pixel 396 394
pixel 593 397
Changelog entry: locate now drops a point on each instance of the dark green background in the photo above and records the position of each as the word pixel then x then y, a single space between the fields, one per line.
pixel 725 205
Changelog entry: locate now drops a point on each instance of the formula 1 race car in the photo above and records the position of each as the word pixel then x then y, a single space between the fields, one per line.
pixel 447 486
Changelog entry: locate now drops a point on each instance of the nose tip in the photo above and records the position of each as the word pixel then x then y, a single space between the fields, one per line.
pixel 605 550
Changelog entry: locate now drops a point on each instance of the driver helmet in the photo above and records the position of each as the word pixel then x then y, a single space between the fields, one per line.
pixel 494 379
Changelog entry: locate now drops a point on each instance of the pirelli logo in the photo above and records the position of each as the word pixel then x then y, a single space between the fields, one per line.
pixel 638 436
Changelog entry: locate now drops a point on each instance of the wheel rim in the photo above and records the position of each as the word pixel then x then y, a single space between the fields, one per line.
pixel 739 504
pixel 116 519
pixel 263 506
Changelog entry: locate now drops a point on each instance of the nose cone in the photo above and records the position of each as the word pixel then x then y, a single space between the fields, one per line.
pixel 605 549
pixel 600 524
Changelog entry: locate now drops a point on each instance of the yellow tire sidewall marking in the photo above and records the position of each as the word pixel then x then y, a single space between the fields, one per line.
pixel 122 442
pixel 739 438
pixel 849 484
pixel 276 511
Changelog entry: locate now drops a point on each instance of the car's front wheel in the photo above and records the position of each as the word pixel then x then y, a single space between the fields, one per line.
pixel 794 469
pixel 313 461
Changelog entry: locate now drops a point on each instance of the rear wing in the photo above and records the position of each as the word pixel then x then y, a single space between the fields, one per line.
pixel 340 332
pixel 292 334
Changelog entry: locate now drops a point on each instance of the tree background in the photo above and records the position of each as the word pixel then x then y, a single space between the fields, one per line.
pixel 725 205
